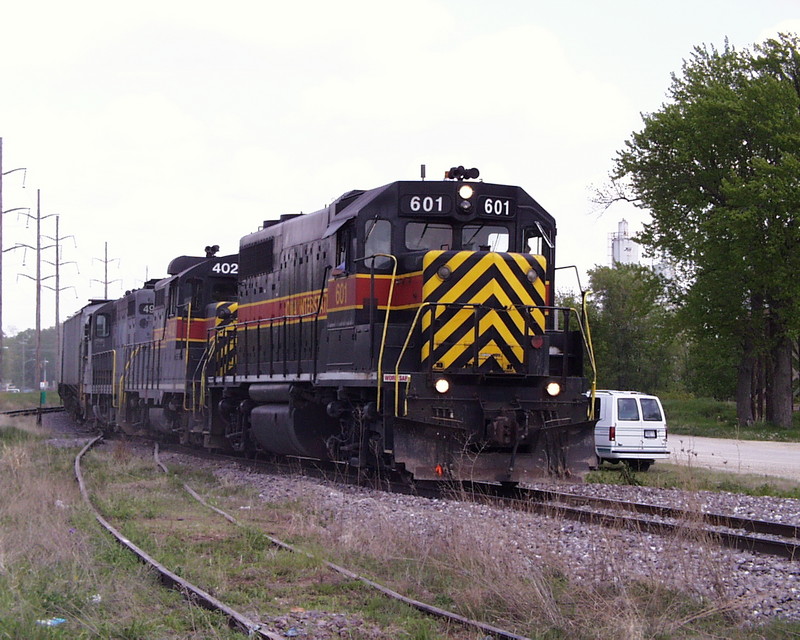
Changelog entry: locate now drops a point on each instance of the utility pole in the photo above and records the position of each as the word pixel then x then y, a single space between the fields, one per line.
pixel 38 279
pixel 57 289
pixel 2 211
pixel 39 293
pixel 105 281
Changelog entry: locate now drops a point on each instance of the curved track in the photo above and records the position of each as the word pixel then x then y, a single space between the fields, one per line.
pixel 190 591
pixel 421 606
pixel 237 619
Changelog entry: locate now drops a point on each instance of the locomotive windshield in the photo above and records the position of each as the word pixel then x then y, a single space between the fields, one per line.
pixel 428 236
pixel 484 237
pixel 223 290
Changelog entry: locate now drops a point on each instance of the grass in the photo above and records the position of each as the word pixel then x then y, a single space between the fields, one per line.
pixel 27 400
pixel 239 565
pixel 717 419
pixel 664 475
pixel 55 561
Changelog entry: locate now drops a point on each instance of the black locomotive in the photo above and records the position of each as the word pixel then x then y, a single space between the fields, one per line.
pixel 410 327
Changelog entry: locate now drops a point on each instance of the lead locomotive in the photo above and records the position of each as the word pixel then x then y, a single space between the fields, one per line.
pixel 410 327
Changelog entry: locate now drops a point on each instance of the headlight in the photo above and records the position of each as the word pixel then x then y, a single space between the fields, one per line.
pixel 466 191
pixel 553 388
pixel 442 385
pixel 532 276
pixel 444 272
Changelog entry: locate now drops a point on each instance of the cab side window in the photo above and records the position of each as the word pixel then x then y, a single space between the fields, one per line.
pixel 344 249
pixel 627 409
pixel 378 239
pixel 101 325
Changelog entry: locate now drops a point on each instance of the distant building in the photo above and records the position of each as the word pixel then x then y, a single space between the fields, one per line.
pixel 623 249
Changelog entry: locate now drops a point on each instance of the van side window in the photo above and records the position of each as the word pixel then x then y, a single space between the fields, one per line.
pixel 627 409
pixel 650 410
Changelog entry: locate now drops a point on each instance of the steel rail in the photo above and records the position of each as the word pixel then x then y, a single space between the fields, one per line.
pixel 187 589
pixel 785 542
pixel 15 413
pixel 420 606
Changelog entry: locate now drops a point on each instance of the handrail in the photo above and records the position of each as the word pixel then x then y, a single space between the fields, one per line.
pixel 211 351
pixel 126 368
pixel 114 377
pixel 322 290
pixel 422 306
pixel 186 358
pixel 385 325
pixel 259 322
pixel 99 354
pixel 590 351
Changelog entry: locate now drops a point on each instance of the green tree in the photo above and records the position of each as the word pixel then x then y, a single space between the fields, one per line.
pixel 718 167
pixel 631 328
pixel 20 360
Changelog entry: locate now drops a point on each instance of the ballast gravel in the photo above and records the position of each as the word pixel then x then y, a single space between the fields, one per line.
pixel 753 586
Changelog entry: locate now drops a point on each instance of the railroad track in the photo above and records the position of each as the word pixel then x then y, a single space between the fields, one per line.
pixel 747 534
pixel 35 411
pixel 237 619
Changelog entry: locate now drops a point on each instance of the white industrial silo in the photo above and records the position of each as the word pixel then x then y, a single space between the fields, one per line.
pixel 623 249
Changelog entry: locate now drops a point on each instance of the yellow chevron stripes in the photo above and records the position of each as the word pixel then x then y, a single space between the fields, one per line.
pixel 223 340
pixel 483 311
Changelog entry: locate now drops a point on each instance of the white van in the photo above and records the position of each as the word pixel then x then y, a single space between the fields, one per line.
pixel 631 427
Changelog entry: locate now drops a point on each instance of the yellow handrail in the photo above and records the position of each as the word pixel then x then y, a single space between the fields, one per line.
pixel 186 358
pixel 131 357
pixel 590 351
pixel 385 324
pixel 400 358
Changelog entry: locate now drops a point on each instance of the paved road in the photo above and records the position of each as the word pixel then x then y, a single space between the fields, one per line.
pixel 741 456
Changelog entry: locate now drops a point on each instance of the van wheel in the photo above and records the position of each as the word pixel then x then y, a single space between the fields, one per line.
pixel 639 465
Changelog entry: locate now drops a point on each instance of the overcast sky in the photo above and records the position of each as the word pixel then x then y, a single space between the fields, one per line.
pixel 163 126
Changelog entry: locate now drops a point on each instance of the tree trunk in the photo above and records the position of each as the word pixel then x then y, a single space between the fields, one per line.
pixel 779 399
pixel 744 385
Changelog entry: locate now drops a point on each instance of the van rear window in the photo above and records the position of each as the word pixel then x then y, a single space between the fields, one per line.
pixel 650 410
pixel 627 409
